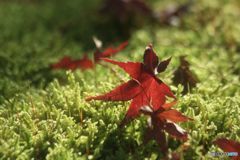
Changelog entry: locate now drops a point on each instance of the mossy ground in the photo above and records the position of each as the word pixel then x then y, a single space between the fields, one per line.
pixel 43 114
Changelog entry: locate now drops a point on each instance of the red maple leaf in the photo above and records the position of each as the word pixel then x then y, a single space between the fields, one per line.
pixel 164 119
pixel 68 63
pixel 183 75
pixel 144 89
pixel 108 52
pixel 229 146
pixel 86 63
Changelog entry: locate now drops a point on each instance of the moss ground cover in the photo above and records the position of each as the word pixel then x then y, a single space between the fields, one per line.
pixel 43 112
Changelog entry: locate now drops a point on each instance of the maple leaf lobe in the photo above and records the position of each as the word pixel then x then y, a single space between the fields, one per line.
pixel 228 145
pixel 150 59
pixel 163 65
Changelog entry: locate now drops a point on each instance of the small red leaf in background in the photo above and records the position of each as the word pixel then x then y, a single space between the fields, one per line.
pixel 108 52
pixel 229 146
pixel 183 75
pixel 68 63
pixel 63 63
pixel 145 89
pixel 85 63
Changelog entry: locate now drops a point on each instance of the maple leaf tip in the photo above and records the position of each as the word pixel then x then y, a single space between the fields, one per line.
pixel 88 98
pixel 149 47
pixel 168 60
